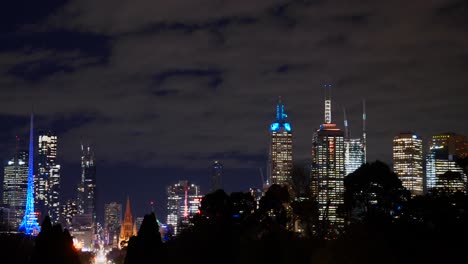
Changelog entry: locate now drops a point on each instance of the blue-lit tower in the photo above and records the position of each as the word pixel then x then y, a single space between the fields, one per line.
pixel 29 224
pixel 216 176
pixel 280 156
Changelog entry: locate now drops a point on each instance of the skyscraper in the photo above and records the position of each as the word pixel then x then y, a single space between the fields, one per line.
pixel 126 228
pixel 29 223
pixel 280 156
pixel 327 173
pixel 87 186
pixel 183 201
pixel 216 176
pixel 408 161
pixel 47 182
pixel 355 148
pixel 444 151
pixel 112 222
pixel 15 185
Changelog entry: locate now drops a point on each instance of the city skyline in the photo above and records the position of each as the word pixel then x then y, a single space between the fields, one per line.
pixel 157 110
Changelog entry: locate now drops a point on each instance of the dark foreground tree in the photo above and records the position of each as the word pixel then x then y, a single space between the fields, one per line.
pixel 374 192
pixel 147 246
pixel 54 245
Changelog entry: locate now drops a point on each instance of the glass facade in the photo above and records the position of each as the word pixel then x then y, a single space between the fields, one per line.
pixel 444 151
pixel 354 154
pixel 47 182
pixel 183 201
pixel 15 186
pixel 327 176
pixel 112 222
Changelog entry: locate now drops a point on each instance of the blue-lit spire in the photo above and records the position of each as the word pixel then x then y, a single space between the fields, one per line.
pixel 280 118
pixel 29 224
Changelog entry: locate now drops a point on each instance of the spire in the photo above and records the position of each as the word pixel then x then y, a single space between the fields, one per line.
pixel 29 224
pixel 128 212
pixel 364 129
pixel 346 124
pixel 280 115
pixel 327 103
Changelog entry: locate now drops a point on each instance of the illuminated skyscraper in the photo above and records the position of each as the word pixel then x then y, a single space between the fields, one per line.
pixel 327 173
pixel 280 156
pixel 183 201
pixel 29 223
pixel 355 148
pixel 216 176
pixel 444 151
pixel 47 182
pixel 126 228
pixel 87 186
pixel 112 222
pixel 15 186
pixel 408 162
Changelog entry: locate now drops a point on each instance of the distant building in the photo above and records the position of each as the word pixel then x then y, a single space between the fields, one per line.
pixel 69 210
pixel 82 231
pixel 87 186
pixel 15 186
pixel 47 182
pixel 355 148
pixel 137 224
pixel 408 162
pixel 112 222
pixel 183 201
pixel 216 176
pixel 280 149
pixel 8 219
pixel 444 151
pixel 327 174
pixel 126 228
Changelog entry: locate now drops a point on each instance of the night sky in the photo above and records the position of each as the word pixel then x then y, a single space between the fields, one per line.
pixel 160 89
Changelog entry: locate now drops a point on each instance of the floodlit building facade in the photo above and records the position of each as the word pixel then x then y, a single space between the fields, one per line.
pixel 408 162
pixel 444 151
pixel 327 174
pixel 183 201
pixel 47 182
pixel 126 228
pixel 280 155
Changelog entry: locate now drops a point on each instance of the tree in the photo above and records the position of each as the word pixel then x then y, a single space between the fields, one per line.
pixel 374 191
pixel 147 245
pixel 54 245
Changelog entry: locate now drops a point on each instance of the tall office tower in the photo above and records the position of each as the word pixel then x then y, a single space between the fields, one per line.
pixel 87 186
pixel 69 210
pixel 47 182
pixel 126 228
pixel 408 162
pixel 15 186
pixel 183 201
pixel 280 156
pixel 112 222
pixel 327 173
pixel 444 151
pixel 216 176
pixel 355 148
pixel 29 223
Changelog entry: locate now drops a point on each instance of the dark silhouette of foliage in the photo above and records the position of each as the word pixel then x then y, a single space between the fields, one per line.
pixel 54 245
pixel 374 193
pixel 147 246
